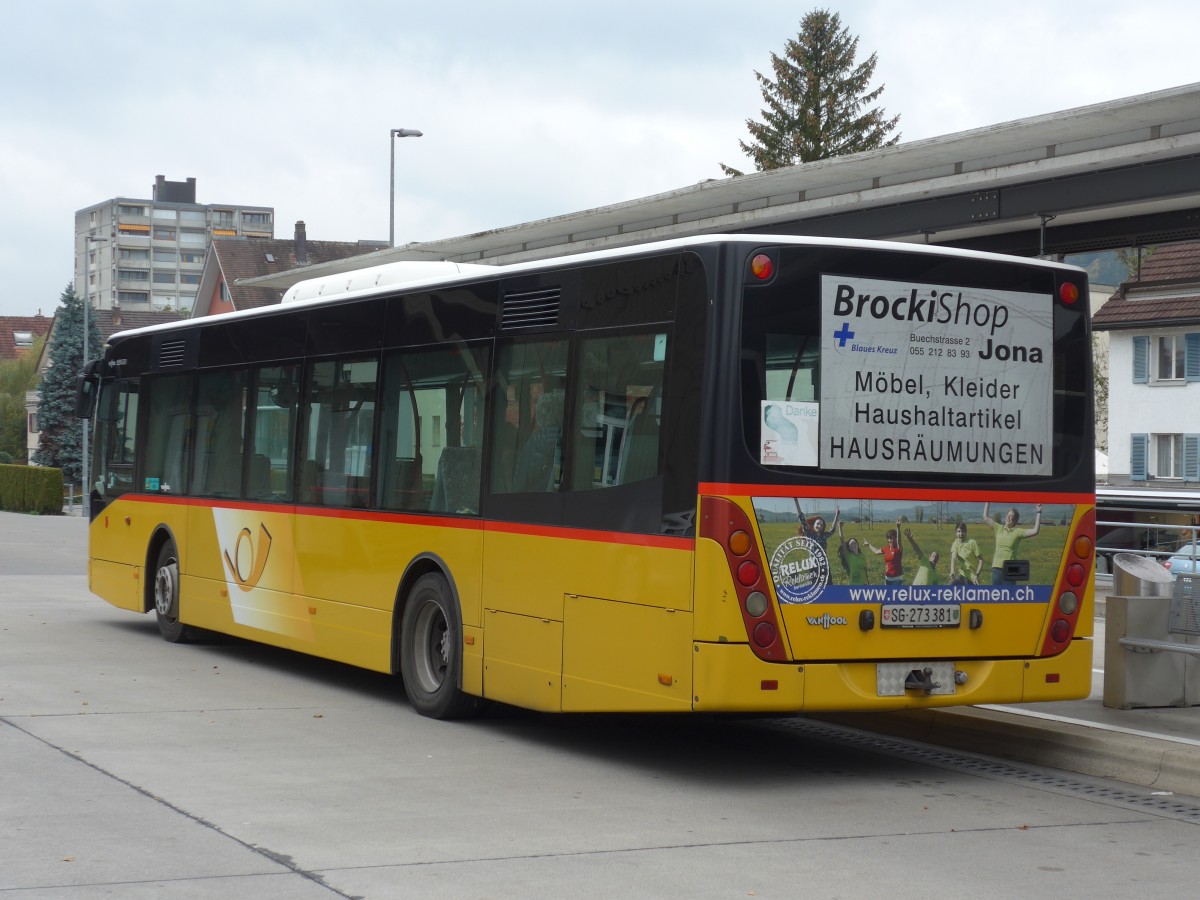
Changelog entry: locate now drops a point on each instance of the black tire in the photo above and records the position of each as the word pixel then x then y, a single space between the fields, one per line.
pixel 166 596
pixel 431 651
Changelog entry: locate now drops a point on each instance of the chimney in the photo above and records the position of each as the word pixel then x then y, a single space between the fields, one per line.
pixel 116 314
pixel 301 244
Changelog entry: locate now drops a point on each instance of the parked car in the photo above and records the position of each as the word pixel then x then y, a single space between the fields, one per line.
pixel 1185 560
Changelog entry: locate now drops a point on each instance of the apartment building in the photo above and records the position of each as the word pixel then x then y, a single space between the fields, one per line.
pixel 143 255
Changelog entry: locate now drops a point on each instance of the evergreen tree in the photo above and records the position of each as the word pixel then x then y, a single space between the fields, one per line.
pixel 61 442
pixel 818 104
pixel 16 377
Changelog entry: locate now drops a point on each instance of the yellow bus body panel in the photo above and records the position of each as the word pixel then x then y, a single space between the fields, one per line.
pixel 119 538
pixel 523 665
pixel 118 583
pixel 619 656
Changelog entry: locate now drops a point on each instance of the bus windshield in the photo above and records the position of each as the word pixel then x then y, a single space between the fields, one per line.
pixel 917 372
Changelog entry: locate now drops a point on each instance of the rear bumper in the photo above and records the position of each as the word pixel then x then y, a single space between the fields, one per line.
pixel 730 678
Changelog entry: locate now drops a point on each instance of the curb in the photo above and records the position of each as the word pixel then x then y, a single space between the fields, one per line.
pixel 1153 762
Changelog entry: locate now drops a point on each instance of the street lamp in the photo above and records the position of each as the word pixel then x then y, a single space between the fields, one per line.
pixel 86 499
pixel 392 135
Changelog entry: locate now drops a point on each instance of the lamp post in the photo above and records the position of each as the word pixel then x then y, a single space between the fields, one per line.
pixel 392 135
pixel 86 498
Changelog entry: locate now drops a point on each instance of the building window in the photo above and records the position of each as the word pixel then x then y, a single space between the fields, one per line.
pixel 256 218
pixel 126 253
pixel 164 234
pixel 1170 357
pixel 131 210
pixel 1169 448
pixel 191 256
pixel 133 275
pixel 165 214
pixel 187 278
pixel 23 338
pixel 164 277
pixel 168 256
pixel 133 298
pixel 191 215
pixel 195 238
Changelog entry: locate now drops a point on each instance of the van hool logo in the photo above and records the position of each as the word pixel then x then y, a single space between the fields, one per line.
pixel 248 561
pixel 800 569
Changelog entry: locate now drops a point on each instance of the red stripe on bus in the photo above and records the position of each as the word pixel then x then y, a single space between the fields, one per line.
pixel 547 531
pixel 585 534
pixel 877 493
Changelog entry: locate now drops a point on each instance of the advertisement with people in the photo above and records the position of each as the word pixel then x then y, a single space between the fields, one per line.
pixel 912 551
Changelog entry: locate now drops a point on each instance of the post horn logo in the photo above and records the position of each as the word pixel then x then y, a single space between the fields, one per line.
pixel 256 558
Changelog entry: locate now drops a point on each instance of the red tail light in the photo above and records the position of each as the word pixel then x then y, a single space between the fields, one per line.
pixel 725 523
pixel 1068 592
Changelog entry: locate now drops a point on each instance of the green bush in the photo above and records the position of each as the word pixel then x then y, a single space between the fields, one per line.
pixel 31 489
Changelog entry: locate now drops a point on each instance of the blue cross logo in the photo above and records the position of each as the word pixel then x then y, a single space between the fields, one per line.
pixel 843 334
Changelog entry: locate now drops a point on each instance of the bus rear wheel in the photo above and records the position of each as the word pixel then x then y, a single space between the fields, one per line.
pixel 166 596
pixel 431 651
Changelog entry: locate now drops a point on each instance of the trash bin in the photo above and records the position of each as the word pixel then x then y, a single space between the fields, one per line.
pixel 1140 576
pixel 1140 667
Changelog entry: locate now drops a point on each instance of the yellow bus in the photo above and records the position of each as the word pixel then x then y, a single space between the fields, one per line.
pixel 722 473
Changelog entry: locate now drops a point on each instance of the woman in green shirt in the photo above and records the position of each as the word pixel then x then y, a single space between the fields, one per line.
pixel 1008 539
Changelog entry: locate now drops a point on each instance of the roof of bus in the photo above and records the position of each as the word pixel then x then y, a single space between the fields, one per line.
pixel 384 279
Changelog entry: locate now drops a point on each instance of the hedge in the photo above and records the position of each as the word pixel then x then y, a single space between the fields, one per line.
pixel 31 489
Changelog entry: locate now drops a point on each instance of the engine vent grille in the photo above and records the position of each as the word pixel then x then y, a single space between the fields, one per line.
pixel 171 354
pixel 530 309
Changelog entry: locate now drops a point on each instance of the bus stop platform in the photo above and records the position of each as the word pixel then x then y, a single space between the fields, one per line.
pixel 1157 747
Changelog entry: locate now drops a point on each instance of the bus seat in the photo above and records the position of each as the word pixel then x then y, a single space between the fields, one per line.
pixel 456 488
pixel 638 457
pixel 259 485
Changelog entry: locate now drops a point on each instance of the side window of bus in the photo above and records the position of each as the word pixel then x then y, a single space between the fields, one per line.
pixel 340 419
pixel 220 427
pixel 527 419
pixel 277 396
pixel 167 435
pixel 431 429
pixel 116 434
pixel 619 408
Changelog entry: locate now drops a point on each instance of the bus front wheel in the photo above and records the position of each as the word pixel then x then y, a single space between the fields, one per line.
pixel 166 596
pixel 431 651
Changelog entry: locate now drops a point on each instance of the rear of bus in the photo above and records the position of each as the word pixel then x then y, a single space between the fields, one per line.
pixel 898 509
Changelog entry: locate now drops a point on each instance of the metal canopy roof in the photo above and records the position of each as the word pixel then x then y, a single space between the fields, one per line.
pixel 1112 174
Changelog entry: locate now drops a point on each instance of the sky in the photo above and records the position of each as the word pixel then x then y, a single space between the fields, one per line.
pixel 528 109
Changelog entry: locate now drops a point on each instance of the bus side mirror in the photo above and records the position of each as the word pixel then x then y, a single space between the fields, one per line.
pixel 85 390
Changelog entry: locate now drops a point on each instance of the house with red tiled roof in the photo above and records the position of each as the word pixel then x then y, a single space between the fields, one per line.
pixel 18 334
pixel 230 261
pixel 1153 327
